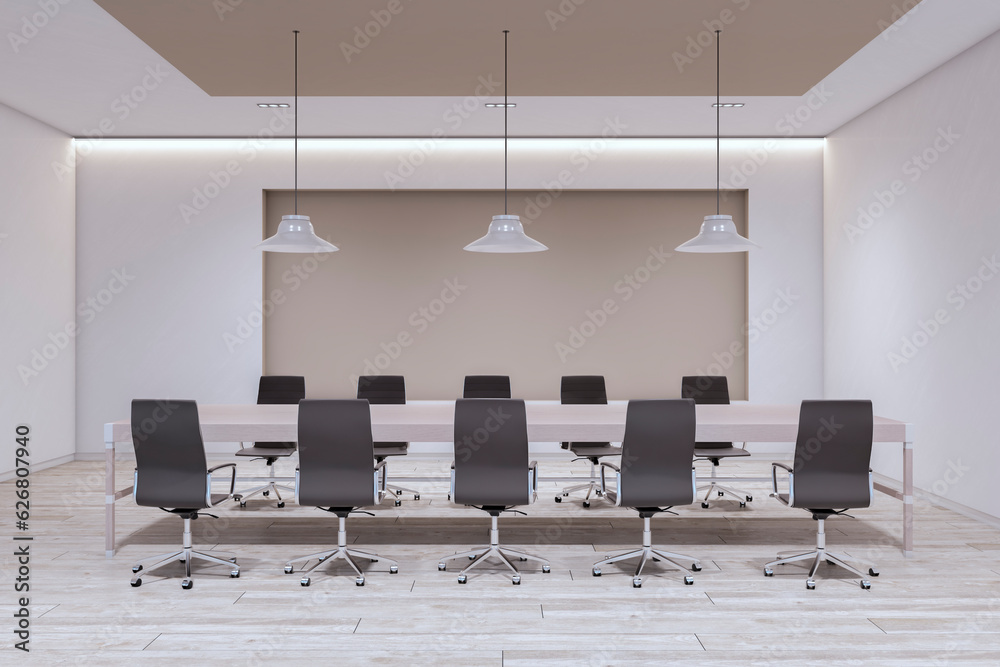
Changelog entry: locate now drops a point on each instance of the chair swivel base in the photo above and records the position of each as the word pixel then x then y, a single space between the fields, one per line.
pixel 266 490
pixel 820 554
pixel 593 486
pixel 185 555
pixel 647 552
pixel 398 491
pixel 342 551
pixel 494 550
pixel 721 491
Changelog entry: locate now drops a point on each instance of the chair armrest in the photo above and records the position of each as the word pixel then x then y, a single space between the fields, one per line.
pixel 208 484
pixel 791 481
pixel 297 485
pixel 611 465
pixel 533 480
pixel 381 478
pixel 451 488
pixel 615 495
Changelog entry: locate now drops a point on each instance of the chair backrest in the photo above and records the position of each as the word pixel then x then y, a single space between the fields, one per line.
pixel 833 453
pixel 486 386
pixel 171 471
pixel 707 390
pixel 281 389
pixel 657 452
pixel 583 389
pixel 382 389
pixel 491 452
pixel 336 456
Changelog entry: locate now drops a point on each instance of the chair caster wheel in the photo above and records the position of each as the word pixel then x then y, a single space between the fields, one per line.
pixel 810 585
pixel 558 499
pixel 866 585
pixel 749 499
pixel 393 569
pixel 655 559
pixel 462 579
pixel 187 584
pixel 235 574
pixel 472 558
pixel 232 559
pixel 280 505
pixel 586 503
pixel 416 496
pixel 768 572
pixel 397 503
pixel 704 506
pixel 265 493
pixel 872 571
pixel 360 581
pixel 305 581
pixel 598 493
pixel 289 569
pixel 399 492
pixel 442 567
pixel 449 496
pixel 597 571
pixel 373 560
pixel 516 580
pixel 695 567
pixel 522 558
pixel 243 503
pixel 546 569
pixel 720 493
pixel 689 581
pixel 137 568
pixel 743 504
pixel 136 583
pixel 636 582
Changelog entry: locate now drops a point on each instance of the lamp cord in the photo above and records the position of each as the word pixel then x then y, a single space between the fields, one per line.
pixel 718 126
pixel 295 116
pixel 505 32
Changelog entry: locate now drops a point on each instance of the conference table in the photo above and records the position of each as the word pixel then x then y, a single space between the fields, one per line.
pixel 548 421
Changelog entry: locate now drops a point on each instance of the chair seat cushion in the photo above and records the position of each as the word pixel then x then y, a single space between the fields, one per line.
pixel 719 453
pixel 598 449
pixel 391 448
pixel 264 450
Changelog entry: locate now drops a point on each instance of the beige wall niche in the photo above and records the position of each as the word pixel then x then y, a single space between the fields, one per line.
pixel 401 297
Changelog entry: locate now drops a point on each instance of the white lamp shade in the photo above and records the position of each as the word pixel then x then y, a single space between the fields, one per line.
pixel 718 234
pixel 506 234
pixel 295 234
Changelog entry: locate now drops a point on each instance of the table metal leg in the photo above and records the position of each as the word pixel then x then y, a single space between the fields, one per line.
pixel 109 498
pixel 908 498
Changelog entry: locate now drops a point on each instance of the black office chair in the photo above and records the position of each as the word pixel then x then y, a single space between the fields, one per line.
pixel 586 390
pixel 714 390
pixel 273 390
pixel 337 473
pixel 833 452
pixel 387 390
pixel 486 386
pixel 171 472
pixel 492 472
pixel 656 474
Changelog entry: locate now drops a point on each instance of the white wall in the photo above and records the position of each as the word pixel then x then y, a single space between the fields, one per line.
pixel 37 260
pixel 897 327
pixel 191 282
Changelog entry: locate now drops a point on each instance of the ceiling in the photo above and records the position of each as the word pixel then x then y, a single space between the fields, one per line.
pixel 612 48
pixel 169 68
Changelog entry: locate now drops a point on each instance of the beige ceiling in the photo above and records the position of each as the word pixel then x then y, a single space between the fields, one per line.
pixel 557 47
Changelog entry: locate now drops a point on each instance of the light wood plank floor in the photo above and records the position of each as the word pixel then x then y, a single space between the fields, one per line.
pixel 941 607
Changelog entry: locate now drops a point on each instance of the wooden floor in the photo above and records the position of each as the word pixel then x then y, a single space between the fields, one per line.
pixel 939 608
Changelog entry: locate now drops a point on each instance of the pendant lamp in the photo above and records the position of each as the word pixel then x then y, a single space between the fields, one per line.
pixel 506 233
pixel 718 232
pixel 295 232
